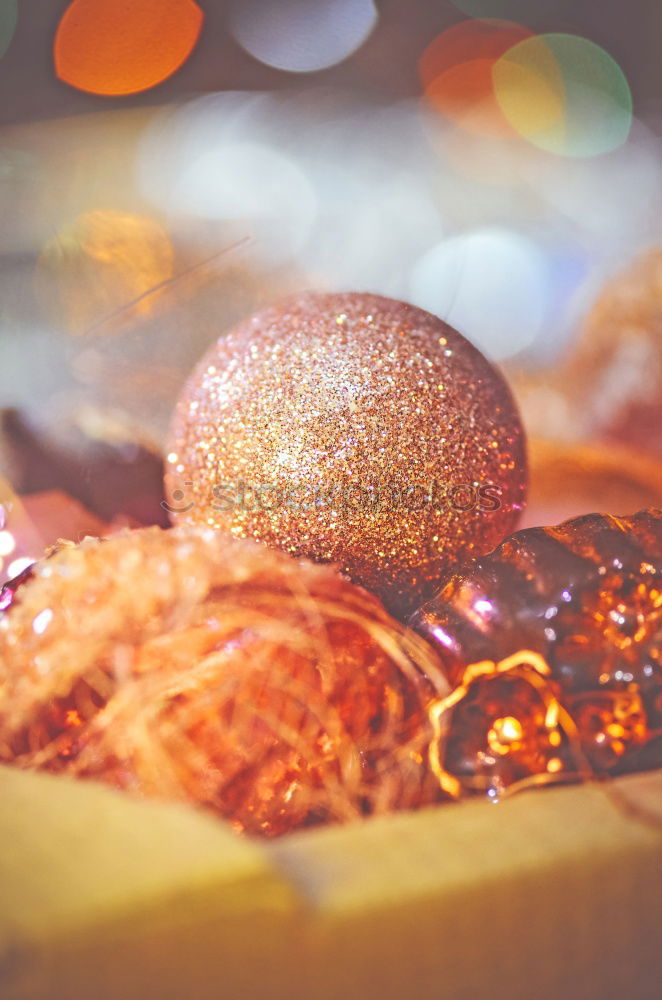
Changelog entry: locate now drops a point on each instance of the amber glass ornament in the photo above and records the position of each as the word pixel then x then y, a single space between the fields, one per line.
pixel 502 729
pixel 187 665
pixel 352 429
pixel 586 597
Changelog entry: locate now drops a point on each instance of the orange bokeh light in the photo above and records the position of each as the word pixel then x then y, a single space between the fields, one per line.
pixel 456 72
pixel 113 48
pixel 104 270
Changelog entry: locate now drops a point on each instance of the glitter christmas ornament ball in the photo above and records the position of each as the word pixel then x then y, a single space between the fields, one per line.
pixel 353 429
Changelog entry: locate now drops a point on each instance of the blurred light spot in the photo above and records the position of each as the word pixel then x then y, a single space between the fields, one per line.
pixel 16 567
pixel 578 189
pixel 528 11
pixel 478 163
pixel 564 94
pixel 8 19
pixel 302 36
pixel 568 268
pixel 42 621
pixel 456 72
pixel 490 284
pixel 179 134
pixel 104 268
pixel 7 543
pixel 258 192
pixel 112 48
pixel 371 230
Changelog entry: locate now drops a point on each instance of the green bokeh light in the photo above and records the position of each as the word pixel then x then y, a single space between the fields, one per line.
pixel 529 12
pixel 564 94
pixel 8 19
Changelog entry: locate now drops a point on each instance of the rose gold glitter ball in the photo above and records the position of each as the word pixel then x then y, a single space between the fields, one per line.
pixel 353 429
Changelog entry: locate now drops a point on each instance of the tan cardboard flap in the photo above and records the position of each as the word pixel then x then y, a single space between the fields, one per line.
pixel 554 894
pixel 104 896
pixel 551 894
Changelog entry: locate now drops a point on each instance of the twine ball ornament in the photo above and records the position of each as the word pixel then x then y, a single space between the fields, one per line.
pixel 353 429
pixel 186 665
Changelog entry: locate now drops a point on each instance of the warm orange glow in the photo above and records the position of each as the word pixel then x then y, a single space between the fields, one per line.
pixel 104 270
pixel 507 736
pixel 113 48
pixel 456 72
pixel 504 734
pixel 73 718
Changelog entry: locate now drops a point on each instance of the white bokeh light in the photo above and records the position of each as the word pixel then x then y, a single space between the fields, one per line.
pixel 302 36
pixel 369 234
pixel 360 196
pixel 490 284
pixel 258 192
pixel 580 190
pixel 19 566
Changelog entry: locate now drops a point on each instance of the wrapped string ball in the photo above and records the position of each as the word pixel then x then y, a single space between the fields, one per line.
pixel 188 665
pixel 353 429
pixel 553 647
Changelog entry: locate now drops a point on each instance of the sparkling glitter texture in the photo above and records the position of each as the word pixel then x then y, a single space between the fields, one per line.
pixel 187 665
pixel 353 429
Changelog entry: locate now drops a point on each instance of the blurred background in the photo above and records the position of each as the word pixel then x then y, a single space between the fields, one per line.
pixel 169 166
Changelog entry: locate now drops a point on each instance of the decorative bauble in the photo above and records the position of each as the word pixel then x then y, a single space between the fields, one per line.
pixel 351 429
pixel 609 386
pixel 187 665
pixel 584 600
pixel 614 374
pixel 502 729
